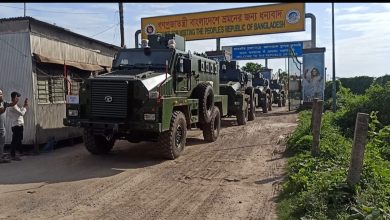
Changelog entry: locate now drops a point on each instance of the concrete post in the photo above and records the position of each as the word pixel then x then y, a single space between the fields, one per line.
pixel 358 147
pixel 218 40
pixel 316 126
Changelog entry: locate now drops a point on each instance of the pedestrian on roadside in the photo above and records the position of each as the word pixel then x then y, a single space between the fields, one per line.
pixel 3 107
pixel 16 114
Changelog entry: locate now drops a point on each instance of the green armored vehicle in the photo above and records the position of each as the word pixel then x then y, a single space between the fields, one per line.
pixel 154 93
pixel 237 85
pixel 262 92
pixel 278 93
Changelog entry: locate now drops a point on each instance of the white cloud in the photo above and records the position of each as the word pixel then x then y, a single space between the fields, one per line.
pixel 362 30
pixel 357 9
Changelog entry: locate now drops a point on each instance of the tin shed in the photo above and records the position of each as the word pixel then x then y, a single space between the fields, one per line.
pixel 44 63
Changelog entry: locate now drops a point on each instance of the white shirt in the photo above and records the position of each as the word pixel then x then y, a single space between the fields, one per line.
pixel 16 114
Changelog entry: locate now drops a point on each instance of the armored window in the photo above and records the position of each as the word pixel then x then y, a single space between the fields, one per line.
pixel 212 68
pixel 216 68
pixel 208 67
pixel 201 66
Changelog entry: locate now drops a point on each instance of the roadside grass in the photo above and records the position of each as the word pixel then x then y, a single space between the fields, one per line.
pixel 316 186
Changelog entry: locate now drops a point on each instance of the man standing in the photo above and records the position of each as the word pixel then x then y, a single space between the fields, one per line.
pixel 17 122
pixel 3 106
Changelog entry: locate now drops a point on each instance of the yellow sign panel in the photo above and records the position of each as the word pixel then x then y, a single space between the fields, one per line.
pixel 266 19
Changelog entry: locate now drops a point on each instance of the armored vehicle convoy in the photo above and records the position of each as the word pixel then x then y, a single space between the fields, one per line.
pixel 262 92
pixel 237 85
pixel 154 93
pixel 278 93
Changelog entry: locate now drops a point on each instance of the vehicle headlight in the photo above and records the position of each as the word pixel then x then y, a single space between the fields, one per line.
pixel 149 117
pixel 73 112
pixel 236 103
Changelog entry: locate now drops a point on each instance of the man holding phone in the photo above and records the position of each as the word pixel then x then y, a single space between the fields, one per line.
pixel 16 114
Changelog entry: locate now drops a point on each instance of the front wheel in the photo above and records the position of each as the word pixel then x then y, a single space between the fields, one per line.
pixel 270 101
pixel 211 130
pixel 264 105
pixel 242 116
pixel 173 141
pixel 98 144
pixel 252 105
pixel 284 101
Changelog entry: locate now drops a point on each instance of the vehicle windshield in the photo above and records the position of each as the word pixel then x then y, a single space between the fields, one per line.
pixel 140 58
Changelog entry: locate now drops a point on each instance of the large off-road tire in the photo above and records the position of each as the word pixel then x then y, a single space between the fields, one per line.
pixel 264 105
pixel 211 130
pixel 242 116
pixel 252 104
pixel 270 101
pixel 204 92
pixel 97 144
pixel 173 141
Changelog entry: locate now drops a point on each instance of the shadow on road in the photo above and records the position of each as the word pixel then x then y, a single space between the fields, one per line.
pixel 75 163
pixel 274 113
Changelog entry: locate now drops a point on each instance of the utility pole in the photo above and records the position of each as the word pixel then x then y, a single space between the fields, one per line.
pixel 24 9
pixel 121 24
pixel 333 63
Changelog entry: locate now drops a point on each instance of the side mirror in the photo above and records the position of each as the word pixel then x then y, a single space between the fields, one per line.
pixel 181 65
pixel 187 66
pixel 184 66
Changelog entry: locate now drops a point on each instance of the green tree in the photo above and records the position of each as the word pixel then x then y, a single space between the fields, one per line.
pixel 283 77
pixel 358 84
pixel 382 80
pixel 251 67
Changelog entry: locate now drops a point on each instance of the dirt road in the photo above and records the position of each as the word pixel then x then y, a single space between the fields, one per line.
pixel 236 177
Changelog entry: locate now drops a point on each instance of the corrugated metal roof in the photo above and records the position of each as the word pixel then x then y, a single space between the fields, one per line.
pixel 57 28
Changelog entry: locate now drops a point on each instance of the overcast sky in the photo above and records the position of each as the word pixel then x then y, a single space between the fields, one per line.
pixel 362 29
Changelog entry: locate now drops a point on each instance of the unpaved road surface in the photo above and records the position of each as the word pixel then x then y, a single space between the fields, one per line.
pixel 236 177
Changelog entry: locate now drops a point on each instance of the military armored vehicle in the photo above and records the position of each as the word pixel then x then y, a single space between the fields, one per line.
pixel 237 85
pixel 278 92
pixel 154 93
pixel 262 92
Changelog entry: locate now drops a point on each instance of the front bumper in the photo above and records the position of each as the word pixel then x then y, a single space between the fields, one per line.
pixel 120 127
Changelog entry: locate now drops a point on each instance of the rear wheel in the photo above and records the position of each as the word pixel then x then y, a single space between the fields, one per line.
pixel 172 142
pixel 211 130
pixel 242 116
pixel 270 100
pixel 264 105
pixel 98 144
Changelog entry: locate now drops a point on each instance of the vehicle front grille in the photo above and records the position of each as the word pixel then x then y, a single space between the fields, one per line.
pixel 109 98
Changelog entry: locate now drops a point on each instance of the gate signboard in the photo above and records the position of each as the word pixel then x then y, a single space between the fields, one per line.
pixel 264 51
pixel 255 20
